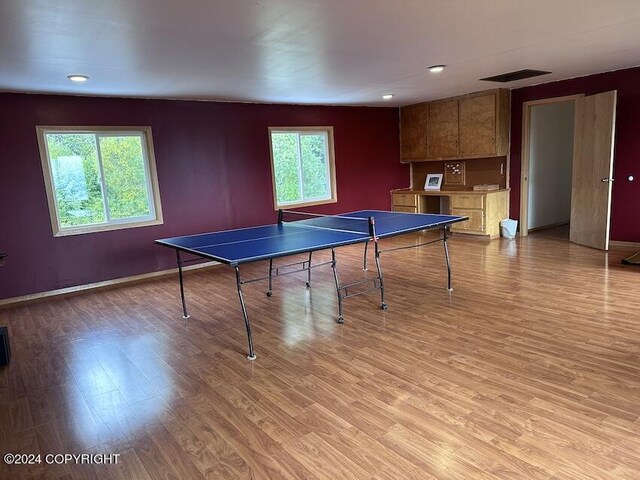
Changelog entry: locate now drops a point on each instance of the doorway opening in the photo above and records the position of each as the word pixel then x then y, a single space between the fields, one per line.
pixel 547 162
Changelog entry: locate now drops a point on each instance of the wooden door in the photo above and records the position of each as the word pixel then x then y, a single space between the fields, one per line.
pixel 478 125
pixel 593 170
pixel 413 131
pixel 442 134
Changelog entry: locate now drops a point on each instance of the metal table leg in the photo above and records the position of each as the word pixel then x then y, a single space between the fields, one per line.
pixel 364 261
pixel 309 272
pixel 383 305
pixel 446 255
pixel 185 314
pixel 335 278
pixel 252 355
pixel 269 292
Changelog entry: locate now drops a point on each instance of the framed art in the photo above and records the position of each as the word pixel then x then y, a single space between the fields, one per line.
pixel 433 182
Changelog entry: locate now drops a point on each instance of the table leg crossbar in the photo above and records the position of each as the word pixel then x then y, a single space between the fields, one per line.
pixel 345 289
pixel 415 245
pixel 281 270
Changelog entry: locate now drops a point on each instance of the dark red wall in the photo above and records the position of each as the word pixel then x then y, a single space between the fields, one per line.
pixel 213 169
pixel 625 203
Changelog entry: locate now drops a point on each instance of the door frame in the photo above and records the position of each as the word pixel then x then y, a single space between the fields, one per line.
pixel 524 155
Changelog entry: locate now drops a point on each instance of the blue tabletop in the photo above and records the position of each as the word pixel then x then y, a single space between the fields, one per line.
pixel 271 241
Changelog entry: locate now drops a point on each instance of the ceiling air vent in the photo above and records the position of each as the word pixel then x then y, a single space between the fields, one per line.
pixel 513 76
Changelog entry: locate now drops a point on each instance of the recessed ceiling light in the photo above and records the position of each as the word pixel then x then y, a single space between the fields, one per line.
pixel 387 96
pixel 436 68
pixel 76 77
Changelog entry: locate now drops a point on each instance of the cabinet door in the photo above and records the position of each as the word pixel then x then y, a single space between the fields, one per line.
pixel 478 125
pixel 475 224
pixel 472 206
pixel 413 131
pixel 442 134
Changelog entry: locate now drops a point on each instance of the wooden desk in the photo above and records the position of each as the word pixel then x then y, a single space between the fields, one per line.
pixel 484 209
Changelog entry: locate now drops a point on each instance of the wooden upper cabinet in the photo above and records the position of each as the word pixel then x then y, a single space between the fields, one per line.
pixel 442 134
pixel 413 131
pixel 469 126
pixel 484 124
pixel 478 125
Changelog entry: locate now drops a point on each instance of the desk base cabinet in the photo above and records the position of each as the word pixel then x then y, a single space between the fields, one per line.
pixel 485 210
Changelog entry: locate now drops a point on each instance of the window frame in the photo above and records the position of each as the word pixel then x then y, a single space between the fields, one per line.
pixel 328 130
pixel 151 175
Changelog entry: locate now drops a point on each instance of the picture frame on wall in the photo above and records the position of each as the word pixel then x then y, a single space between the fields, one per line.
pixel 433 181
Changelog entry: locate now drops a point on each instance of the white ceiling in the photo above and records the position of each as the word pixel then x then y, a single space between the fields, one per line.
pixel 344 52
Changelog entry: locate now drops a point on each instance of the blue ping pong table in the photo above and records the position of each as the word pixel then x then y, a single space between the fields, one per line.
pixel 305 234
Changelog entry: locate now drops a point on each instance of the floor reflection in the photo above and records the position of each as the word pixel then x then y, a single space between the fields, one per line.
pixel 122 384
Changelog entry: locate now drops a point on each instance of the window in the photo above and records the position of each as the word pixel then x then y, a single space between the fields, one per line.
pixel 99 178
pixel 302 164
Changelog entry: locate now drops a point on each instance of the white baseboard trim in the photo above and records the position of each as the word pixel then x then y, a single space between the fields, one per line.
pixel 624 245
pixel 547 227
pixel 105 284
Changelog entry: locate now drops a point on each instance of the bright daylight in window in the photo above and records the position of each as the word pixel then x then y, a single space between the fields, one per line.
pixel 303 166
pixel 99 179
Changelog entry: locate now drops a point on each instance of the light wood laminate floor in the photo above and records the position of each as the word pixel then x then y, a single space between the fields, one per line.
pixel 530 368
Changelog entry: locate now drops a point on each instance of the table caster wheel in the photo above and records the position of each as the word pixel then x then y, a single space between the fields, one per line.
pixel 308 284
pixel 340 320
pixel 269 293
pixel 384 306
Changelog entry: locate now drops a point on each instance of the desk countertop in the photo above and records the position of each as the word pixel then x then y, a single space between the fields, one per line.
pixel 447 192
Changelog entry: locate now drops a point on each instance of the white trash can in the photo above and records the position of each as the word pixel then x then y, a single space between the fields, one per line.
pixel 508 228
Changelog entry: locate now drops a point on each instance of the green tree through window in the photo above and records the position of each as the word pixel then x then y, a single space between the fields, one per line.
pixel 302 166
pixel 124 173
pixel 76 178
